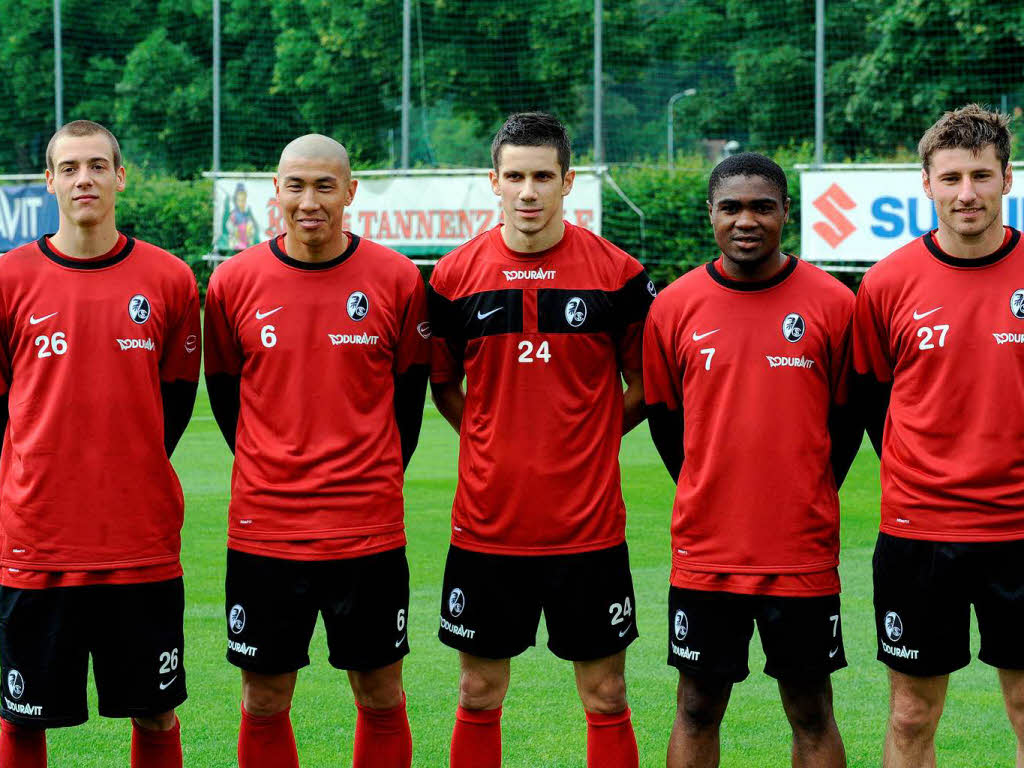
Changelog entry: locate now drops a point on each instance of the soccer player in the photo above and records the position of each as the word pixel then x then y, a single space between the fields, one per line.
pixel 939 353
pixel 99 363
pixel 744 376
pixel 544 320
pixel 316 365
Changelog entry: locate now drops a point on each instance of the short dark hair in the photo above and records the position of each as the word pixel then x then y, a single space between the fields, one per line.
pixel 748 164
pixel 533 129
pixel 971 127
pixel 82 128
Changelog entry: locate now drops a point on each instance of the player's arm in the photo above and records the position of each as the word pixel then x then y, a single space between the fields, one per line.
pixel 872 371
pixel 633 409
pixel 410 392
pixel 223 361
pixel 450 399
pixel 225 402
pixel 846 429
pixel 663 376
pixel 179 398
pixel 666 427
pixel 412 369
pixel 179 366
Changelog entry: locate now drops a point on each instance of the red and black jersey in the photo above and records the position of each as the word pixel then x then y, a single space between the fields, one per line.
pixel 755 368
pixel 318 464
pixel 948 335
pixel 542 340
pixel 84 348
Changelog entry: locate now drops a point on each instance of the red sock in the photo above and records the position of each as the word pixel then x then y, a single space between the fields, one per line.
pixel 476 741
pixel 21 746
pixel 382 739
pixel 267 742
pixel 156 749
pixel 611 742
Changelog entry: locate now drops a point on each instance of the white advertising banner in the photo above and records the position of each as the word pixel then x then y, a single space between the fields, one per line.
pixel 413 214
pixel 861 216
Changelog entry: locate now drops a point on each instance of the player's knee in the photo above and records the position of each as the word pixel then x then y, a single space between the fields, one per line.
pixel 163 722
pixel 477 691
pixel 266 697
pixel 698 713
pixel 811 720
pixel 913 719
pixel 378 688
pixel 605 695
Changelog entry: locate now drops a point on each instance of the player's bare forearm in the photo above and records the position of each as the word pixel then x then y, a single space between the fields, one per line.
pixel 633 409
pixel 450 399
pixel 225 402
pixel 410 389
pixel 667 433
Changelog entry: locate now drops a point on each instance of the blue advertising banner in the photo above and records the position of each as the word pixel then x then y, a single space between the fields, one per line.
pixel 26 213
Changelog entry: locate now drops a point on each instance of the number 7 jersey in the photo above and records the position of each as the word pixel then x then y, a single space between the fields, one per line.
pixel 542 340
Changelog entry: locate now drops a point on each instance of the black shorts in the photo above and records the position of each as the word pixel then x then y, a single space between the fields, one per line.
pixel 271 607
pixel 491 604
pixel 133 631
pixel 709 634
pixel 923 596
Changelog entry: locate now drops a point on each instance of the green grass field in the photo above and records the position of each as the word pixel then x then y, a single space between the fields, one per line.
pixel 543 722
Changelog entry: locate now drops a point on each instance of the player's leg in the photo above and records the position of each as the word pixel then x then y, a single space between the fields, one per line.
pixel 489 613
pixel 365 605
pixel 708 642
pixel 139 665
pixel 271 611
pixel 922 621
pixel 802 639
pixel 1012 683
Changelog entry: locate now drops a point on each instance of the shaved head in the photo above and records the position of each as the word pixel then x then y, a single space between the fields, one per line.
pixel 316 147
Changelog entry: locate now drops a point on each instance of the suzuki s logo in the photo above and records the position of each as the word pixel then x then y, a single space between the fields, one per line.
pixel 793 327
pixel 681 626
pixel 839 227
pixel 358 305
pixel 236 619
pixel 1017 304
pixel 456 602
pixel 575 312
pixel 893 626
pixel 15 684
pixel 138 309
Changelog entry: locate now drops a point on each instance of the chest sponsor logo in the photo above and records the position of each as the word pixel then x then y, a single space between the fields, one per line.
pixel 789 362
pixel 33 320
pixel 126 344
pixel 236 618
pixel 1009 338
pixel 575 312
pixel 358 306
pixel 359 339
pixel 456 602
pixel 793 327
pixel 893 626
pixel 680 625
pixel 138 309
pixel 923 315
pixel 1017 304
pixel 528 274
pixel 268 313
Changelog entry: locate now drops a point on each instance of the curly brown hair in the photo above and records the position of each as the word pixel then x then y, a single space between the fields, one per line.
pixel 971 127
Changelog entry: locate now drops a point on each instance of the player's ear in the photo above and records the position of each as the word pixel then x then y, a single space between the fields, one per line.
pixel 926 184
pixel 711 208
pixel 493 176
pixel 277 188
pixel 785 211
pixel 120 174
pixel 1007 179
pixel 352 184
pixel 49 181
pixel 567 180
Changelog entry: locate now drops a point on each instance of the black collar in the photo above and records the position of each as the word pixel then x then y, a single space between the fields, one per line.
pixel 109 261
pixel 756 285
pixel 275 246
pixel 984 261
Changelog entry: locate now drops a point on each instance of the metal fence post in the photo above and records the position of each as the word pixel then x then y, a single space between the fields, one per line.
pixel 819 82
pixel 598 76
pixel 216 86
pixel 58 69
pixel 406 77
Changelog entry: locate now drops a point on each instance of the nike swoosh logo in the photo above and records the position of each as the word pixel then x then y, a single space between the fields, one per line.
pixel 833 652
pixel 482 315
pixel 920 315
pixel 400 641
pixel 261 315
pixel 165 686
pixel 33 320
pixel 628 627
pixel 699 336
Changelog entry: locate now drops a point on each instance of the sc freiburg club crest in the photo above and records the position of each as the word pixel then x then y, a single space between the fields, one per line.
pixel 681 626
pixel 793 327
pixel 357 305
pixel 575 312
pixel 236 619
pixel 893 626
pixel 138 309
pixel 1017 304
pixel 15 684
pixel 456 602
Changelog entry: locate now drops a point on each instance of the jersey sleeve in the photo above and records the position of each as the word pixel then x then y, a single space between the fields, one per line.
pixel 632 302
pixel 5 348
pixel 181 353
pixel 663 372
pixel 871 355
pixel 413 343
pixel 840 352
pixel 223 353
pixel 447 346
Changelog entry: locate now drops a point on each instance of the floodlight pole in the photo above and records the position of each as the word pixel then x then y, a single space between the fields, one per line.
pixel 598 86
pixel 58 68
pixel 672 125
pixel 216 87
pixel 406 77
pixel 819 82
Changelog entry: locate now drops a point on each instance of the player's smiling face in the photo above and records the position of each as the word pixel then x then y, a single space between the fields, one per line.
pixel 968 190
pixel 530 184
pixel 84 179
pixel 747 215
pixel 313 193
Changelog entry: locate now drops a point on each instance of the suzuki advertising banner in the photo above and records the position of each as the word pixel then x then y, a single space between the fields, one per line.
pixel 412 214
pixel 861 216
pixel 27 212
